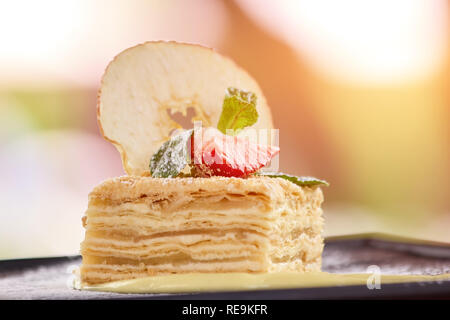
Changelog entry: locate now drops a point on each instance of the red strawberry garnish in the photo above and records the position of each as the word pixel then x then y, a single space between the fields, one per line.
pixel 216 154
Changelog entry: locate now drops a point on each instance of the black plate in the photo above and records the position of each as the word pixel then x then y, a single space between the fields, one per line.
pixel 47 278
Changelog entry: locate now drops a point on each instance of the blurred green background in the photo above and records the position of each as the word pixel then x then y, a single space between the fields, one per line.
pixel 359 90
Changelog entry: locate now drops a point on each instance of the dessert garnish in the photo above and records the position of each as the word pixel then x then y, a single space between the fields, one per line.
pixel 228 156
pixel 146 85
pixel 221 151
pixel 172 157
pixel 238 111
pixel 300 181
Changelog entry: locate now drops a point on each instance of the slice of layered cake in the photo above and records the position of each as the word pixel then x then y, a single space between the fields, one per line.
pixel 142 226
pixel 195 201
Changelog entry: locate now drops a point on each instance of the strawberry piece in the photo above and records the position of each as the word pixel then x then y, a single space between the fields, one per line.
pixel 216 154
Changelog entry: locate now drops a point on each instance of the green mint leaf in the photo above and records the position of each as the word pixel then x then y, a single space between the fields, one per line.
pixel 301 181
pixel 172 157
pixel 238 111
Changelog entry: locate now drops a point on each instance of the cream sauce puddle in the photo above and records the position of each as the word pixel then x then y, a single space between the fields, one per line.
pixel 198 282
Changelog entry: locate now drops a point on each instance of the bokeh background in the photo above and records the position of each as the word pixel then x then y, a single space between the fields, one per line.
pixel 359 89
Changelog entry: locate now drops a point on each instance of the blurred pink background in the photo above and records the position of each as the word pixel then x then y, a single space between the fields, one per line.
pixel 359 90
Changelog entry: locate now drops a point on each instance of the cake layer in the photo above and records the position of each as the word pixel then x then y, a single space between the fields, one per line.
pixel 138 226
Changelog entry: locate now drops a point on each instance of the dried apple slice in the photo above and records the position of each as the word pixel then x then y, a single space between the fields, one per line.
pixel 144 82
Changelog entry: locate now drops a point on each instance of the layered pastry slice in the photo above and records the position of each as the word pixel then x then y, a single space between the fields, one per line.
pixel 142 226
pixel 194 200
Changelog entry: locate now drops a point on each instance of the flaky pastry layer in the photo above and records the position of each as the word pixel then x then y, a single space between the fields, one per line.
pixel 140 226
